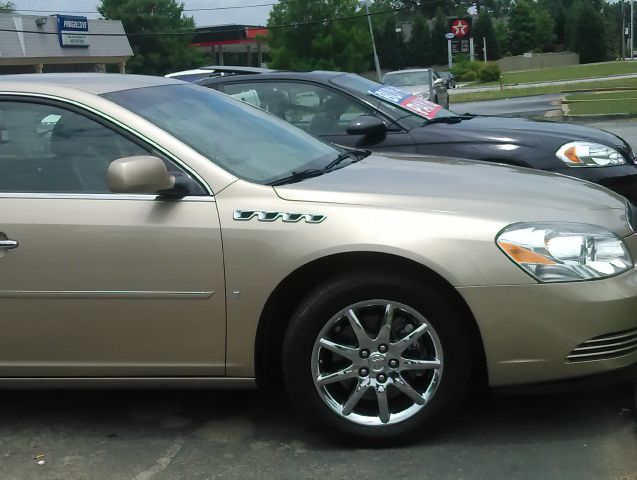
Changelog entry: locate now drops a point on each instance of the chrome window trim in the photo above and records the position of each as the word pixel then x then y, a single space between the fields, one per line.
pixel 114 121
pixel 100 196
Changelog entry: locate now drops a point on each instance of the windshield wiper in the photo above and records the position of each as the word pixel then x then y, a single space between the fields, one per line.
pixel 357 155
pixel 298 176
pixel 456 119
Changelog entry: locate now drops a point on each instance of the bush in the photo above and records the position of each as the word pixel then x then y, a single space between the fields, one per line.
pixel 475 67
pixel 469 76
pixel 489 72
pixel 466 71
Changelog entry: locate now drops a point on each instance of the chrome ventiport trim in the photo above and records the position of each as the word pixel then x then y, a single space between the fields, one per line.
pixel 263 216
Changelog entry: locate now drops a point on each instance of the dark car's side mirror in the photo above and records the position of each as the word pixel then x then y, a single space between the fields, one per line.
pixel 439 81
pixel 140 174
pixel 367 126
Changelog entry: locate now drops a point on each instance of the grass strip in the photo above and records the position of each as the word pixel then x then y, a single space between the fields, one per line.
pixel 526 92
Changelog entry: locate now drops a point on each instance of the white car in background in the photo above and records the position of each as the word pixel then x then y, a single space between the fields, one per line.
pixel 424 82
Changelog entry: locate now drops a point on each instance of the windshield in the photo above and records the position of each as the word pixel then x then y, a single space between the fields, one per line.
pixel 245 141
pixel 365 86
pixel 406 79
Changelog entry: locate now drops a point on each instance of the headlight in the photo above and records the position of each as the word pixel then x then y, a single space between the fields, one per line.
pixel 585 154
pixel 564 252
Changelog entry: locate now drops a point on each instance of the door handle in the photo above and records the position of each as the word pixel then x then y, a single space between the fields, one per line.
pixel 8 244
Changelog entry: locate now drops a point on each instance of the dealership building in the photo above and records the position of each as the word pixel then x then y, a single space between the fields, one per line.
pixel 233 44
pixel 59 43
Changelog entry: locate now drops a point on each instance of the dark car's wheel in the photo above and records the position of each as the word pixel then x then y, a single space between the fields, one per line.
pixel 376 356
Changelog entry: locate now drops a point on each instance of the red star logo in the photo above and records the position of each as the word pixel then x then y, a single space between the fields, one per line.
pixel 460 28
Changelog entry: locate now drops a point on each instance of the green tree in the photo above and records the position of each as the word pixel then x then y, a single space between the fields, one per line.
pixel 559 17
pixel 439 44
pixel 155 54
pixel 502 34
pixel 7 7
pixel 586 32
pixel 420 47
pixel 321 44
pixel 522 31
pixel 430 8
pixel 389 43
pixel 544 28
pixel 483 28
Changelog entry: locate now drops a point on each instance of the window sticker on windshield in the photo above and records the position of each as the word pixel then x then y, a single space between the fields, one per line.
pixel 407 101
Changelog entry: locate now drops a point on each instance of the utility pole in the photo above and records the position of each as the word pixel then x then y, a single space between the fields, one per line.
pixel 623 36
pixel 632 27
pixel 484 48
pixel 371 32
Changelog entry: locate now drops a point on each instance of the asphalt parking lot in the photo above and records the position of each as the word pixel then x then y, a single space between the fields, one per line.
pixel 144 435
pixel 209 435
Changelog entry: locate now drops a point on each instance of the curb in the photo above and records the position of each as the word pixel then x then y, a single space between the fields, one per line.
pixel 603 116
pixel 594 117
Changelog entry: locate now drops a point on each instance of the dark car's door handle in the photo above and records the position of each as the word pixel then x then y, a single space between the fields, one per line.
pixel 8 244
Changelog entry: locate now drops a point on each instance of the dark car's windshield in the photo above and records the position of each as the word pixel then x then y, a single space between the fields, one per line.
pixel 245 141
pixel 365 86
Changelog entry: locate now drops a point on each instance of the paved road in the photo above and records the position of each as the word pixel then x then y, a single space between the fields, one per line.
pixel 540 84
pixel 194 435
pixel 627 129
pixel 534 106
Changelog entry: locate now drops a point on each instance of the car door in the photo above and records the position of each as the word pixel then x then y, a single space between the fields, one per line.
pixel 319 110
pixel 96 284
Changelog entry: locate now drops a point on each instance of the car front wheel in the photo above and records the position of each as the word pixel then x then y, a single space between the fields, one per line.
pixel 376 356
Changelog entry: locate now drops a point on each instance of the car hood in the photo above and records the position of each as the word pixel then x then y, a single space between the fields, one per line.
pixel 465 188
pixel 541 134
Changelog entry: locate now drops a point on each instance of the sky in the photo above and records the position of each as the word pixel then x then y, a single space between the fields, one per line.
pixel 246 16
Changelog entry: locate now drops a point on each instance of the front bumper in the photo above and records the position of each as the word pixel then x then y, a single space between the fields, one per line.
pixel 621 179
pixel 528 331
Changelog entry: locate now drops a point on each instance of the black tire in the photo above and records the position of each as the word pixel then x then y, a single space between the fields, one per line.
pixel 433 302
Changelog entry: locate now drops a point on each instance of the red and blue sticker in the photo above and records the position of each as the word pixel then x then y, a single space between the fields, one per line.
pixel 407 101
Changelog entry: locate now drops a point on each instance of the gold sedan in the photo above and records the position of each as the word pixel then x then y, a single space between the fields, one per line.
pixel 156 233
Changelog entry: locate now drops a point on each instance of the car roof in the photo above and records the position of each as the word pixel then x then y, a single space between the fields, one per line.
pixel 188 72
pixel 409 70
pixel 317 75
pixel 212 70
pixel 97 83
pixel 237 69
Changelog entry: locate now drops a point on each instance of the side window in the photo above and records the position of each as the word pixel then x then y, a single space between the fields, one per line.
pixel 45 149
pixel 315 109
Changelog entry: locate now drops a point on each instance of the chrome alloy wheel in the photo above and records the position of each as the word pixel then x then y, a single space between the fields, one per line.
pixel 377 363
